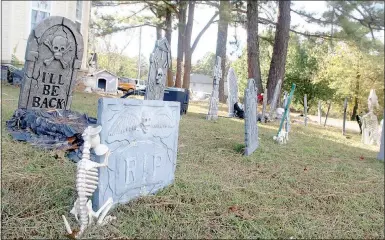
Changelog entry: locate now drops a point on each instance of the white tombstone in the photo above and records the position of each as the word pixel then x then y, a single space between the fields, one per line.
pixel 232 86
pixel 214 99
pixel 142 136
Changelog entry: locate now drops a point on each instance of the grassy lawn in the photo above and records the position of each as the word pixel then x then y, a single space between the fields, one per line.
pixel 319 185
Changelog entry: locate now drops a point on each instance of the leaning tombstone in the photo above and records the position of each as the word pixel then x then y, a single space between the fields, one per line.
pixel 142 136
pixel 232 87
pixel 160 61
pixel 273 104
pixel 213 106
pixel 52 59
pixel 251 127
pixel 370 135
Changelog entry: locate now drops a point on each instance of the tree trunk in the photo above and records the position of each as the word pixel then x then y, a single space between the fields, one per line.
pixel 253 66
pixel 278 60
pixel 188 50
pixel 224 10
pixel 181 39
pixel 170 81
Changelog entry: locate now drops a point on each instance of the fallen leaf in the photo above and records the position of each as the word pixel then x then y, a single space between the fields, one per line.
pixel 362 158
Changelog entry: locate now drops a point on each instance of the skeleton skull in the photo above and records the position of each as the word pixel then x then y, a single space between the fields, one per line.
pixel 145 121
pixel 159 76
pixel 59 45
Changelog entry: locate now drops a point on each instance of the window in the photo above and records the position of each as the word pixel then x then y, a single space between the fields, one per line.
pixel 79 11
pixel 40 11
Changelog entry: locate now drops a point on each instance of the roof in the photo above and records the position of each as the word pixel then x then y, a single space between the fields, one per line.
pixel 96 73
pixel 201 78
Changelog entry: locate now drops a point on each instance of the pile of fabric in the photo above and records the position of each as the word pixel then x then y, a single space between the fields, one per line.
pixel 54 130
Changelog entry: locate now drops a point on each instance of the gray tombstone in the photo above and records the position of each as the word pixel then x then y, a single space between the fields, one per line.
pixel 142 136
pixel 232 87
pixel 273 104
pixel 160 61
pixel 251 127
pixel 213 107
pixel 381 153
pixel 53 57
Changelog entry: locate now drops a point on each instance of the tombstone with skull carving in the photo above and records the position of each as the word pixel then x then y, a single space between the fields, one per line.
pixel 159 63
pixel 53 56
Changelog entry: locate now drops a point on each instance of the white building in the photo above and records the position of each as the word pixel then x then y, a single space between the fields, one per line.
pixel 203 83
pixel 105 81
pixel 20 17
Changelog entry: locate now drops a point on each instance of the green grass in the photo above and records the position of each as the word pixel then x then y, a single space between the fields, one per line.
pixel 319 185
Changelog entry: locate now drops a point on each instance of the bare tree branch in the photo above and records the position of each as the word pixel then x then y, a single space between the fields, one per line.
pixel 311 18
pixel 203 31
pixel 125 28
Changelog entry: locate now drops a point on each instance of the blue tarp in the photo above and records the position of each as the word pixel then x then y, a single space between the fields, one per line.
pixel 57 129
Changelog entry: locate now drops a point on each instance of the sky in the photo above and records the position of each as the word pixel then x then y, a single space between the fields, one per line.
pixel 207 42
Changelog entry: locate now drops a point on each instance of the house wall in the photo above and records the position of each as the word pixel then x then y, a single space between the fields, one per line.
pixel 16 26
pixel 111 82
pixel 205 87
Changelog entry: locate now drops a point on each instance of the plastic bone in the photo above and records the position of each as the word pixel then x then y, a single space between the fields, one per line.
pixel 86 183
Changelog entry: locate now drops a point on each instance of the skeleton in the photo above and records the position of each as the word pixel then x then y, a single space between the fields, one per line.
pixel 58 47
pixel 146 122
pixel 282 137
pixel 86 183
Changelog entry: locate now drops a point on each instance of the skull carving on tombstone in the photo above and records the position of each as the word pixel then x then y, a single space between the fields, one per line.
pixel 159 76
pixel 59 45
pixel 146 119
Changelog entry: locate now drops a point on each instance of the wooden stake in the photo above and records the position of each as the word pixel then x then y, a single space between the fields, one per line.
pixel 305 109
pixel 319 112
pixel 327 114
pixel 343 123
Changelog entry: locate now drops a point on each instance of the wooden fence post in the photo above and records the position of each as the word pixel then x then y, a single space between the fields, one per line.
pixel 343 123
pixel 327 114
